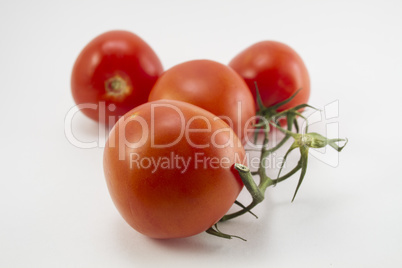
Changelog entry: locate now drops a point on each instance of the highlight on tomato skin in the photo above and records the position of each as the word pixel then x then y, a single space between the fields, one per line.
pixel 113 74
pixel 278 71
pixel 212 86
pixel 168 167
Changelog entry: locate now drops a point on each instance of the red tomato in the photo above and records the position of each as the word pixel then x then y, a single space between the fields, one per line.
pixel 212 86
pixel 117 68
pixel 169 168
pixel 278 70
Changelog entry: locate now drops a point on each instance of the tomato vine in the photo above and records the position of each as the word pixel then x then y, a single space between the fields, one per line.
pixel 269 119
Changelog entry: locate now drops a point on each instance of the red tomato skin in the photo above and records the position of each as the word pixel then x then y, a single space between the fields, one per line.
pixel 114 55
pixel 168 203
pixel 212 86
pixel 278 70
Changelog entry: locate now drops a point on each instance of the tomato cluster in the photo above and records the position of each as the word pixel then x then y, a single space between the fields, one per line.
pixel 177 134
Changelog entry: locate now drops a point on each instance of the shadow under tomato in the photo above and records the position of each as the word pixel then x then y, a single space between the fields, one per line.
pixel 138 248
pixel 198 243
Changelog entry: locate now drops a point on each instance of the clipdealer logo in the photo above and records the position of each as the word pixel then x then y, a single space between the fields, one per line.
pixel 328 115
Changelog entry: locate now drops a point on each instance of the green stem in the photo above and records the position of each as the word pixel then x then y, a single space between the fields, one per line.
pixel 284 177
pixel 270 116
pixel 251 186
pixel 249 182
pixel 240 212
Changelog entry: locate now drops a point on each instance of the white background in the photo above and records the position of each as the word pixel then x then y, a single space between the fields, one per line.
pixel 54 206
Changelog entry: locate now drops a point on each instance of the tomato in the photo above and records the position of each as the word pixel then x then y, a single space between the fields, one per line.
pixel 278 70
pixel 169 168
pixel 113 74
pixel 212 86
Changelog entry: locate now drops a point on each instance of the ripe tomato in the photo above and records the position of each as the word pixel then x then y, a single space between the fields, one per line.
pixel 169 168
pixel 278 70
pixel 117 68
pixel 212 86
